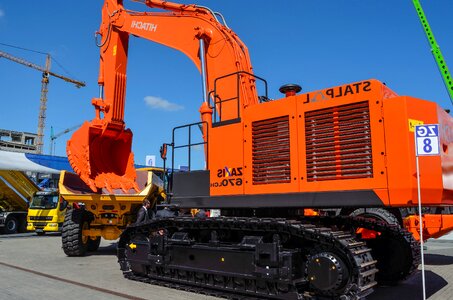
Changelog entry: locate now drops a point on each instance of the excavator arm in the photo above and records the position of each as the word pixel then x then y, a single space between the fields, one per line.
pixel 100 151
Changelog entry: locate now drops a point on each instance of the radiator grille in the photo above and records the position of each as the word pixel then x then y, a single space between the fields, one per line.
pixel 270 151
pixel 41 218
pixel 338 142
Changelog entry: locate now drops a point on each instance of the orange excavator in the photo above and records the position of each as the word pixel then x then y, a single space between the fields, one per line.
pixel 346 153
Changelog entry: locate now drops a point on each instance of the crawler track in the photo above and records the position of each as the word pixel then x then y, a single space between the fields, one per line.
pixel 395 249
pixel 284 259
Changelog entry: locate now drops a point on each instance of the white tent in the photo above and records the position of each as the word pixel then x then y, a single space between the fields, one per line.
pixel 19 162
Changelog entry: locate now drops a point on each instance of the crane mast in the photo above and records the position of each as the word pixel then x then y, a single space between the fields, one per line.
pixel 43 106
pixel 44 89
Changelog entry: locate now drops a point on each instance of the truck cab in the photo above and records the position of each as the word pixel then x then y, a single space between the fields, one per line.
pixel 46 212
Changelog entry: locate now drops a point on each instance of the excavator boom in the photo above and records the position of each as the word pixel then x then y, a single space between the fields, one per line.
pixel 100 151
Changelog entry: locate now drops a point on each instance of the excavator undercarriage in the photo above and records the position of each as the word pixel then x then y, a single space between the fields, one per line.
pixel 276 258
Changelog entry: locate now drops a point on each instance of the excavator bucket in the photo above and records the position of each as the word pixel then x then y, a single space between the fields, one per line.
pixel 102 157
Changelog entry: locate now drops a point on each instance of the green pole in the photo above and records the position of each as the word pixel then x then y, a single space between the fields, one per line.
pixel 435 49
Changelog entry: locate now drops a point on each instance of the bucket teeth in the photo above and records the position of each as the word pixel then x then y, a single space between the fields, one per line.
pixel 108 187
pixel 126 187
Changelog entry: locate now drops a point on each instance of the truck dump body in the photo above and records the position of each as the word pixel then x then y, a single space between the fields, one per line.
pixel 105 212
pixel 16 189
pixel 72 188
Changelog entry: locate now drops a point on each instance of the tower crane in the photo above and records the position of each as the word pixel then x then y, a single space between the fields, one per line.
pixel 53 136
pixel 44 83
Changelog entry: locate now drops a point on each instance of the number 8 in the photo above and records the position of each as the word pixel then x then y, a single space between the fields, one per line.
pixel 427 145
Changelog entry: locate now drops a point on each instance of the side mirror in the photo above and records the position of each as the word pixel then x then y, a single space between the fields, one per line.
pixel 63 205
pixel 163 151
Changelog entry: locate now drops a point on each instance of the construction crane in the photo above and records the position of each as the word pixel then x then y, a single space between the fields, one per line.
pixel 53 136
pixel 44 83
pixel 435 49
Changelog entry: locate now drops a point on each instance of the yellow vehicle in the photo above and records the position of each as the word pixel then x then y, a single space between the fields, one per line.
pixel 46 212
pixel 16 190
pixel 105 214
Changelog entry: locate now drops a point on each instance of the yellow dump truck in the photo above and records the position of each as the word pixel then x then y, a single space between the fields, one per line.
pixel 16 191
pixel 46 212
pixel 90 216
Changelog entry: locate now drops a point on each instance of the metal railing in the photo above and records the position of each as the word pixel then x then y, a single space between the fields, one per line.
pixel 217 116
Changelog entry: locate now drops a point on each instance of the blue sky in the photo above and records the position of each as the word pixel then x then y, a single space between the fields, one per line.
pixel 317 44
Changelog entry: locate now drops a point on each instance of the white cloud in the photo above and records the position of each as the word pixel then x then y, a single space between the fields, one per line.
pixel 2 13
pixel 162 104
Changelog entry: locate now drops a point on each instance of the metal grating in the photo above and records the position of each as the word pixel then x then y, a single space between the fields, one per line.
pixel 271 151
pixel 338 142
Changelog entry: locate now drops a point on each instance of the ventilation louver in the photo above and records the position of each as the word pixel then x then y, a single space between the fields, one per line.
pixel 338 142
pixel 271 151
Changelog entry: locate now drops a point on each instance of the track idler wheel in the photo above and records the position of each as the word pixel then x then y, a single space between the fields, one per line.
pixel 327 273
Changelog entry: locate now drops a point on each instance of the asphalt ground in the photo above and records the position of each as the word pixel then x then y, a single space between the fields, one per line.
pixel 33 267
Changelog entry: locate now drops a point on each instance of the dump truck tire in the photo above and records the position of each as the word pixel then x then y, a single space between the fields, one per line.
pixel 11 225
pixel 93 245
pixel 74 244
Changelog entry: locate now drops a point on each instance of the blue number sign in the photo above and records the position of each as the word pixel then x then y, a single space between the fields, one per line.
pixel 427 139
